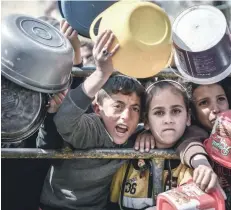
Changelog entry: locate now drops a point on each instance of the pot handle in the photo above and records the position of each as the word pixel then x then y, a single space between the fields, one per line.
pixel 92 34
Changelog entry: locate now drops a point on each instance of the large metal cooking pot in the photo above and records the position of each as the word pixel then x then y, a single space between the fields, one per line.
pixel 22 113
pixel 35 54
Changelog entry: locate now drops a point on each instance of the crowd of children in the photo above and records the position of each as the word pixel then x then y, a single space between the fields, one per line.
pixel 167 111
pixel 173 117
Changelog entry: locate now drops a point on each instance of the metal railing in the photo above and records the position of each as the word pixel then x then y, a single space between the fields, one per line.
pixel 81 154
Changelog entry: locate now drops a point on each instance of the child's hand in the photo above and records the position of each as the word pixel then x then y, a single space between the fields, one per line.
pixel 205 178
pixel 104 67
pixel 101 52
pixel 55 101
pixel 144 142
pixel 70 34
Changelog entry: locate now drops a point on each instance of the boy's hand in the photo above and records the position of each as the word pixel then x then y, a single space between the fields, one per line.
pixel 102 53
pixel 103 61
pixel 70 34
pixel 144 142
pixel 55 101
pixel 205 178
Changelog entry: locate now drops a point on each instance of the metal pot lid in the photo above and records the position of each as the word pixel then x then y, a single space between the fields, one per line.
pixel 40 32
pixel 80 14
pixel 23 111
pixel 34 54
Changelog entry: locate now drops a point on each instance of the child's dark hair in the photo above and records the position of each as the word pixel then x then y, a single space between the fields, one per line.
pixel 89 57
pixel 121 84
pixel 225 84
pixel 87 44
pixel 151 89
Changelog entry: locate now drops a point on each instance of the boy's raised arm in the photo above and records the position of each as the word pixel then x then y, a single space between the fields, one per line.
pixel 76 127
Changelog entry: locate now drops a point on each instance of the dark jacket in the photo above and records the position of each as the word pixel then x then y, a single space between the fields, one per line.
pixel 80 183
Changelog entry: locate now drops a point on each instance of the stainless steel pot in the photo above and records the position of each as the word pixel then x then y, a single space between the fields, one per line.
pixel 35 54
pixel 23 111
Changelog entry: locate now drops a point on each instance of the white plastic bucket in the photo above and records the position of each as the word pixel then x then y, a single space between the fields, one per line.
pixel 202 45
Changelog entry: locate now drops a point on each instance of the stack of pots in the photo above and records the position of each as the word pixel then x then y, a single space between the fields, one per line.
pixel 36 60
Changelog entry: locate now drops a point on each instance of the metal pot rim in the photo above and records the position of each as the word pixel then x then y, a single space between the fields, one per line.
pixel 31 85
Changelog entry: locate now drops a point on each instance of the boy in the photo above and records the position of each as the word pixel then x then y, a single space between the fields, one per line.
pixel 85 183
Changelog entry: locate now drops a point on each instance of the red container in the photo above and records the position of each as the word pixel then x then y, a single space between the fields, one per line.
pixel 191 197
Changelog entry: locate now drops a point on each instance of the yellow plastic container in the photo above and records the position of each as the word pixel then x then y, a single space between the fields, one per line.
pixel 143 31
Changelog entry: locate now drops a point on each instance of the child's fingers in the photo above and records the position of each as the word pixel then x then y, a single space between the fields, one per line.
pixel 98 39
pixel 199 177
pixel 57 99
pixel 61 23
pixel 137 143
pixel 65 92
pixel 152 142
pixel 141 145
pixel 115 49
pixel 52 103
pixel 74 33
pixel 69 31
pixel 61 96
pixel 65 27
pixel 147 144
pixel 53 107
pixel 195 174
pixel 109 41
pixel 205 180
pixel 103 41
pixel 213 182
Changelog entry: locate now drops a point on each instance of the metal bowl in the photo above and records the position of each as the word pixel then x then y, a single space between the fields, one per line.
pixel 35 55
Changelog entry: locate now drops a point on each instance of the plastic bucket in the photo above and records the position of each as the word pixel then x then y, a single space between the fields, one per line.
pixel 202 45
pixel 143 31
pixel 191 197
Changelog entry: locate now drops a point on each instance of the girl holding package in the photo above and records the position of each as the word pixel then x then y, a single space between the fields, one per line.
pixel 211 111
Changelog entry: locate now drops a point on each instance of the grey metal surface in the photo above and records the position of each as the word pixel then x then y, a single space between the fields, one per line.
pixel 34 54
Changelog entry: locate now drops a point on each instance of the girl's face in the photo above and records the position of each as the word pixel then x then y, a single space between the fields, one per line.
pixel 167 117
pixel 209 101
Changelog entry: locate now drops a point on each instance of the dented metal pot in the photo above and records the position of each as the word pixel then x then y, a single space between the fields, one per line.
pixel 35 55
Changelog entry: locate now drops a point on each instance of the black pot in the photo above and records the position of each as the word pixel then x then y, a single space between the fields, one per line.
pixel 23 111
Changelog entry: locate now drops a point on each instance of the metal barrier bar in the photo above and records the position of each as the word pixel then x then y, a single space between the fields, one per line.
pixel 94 153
